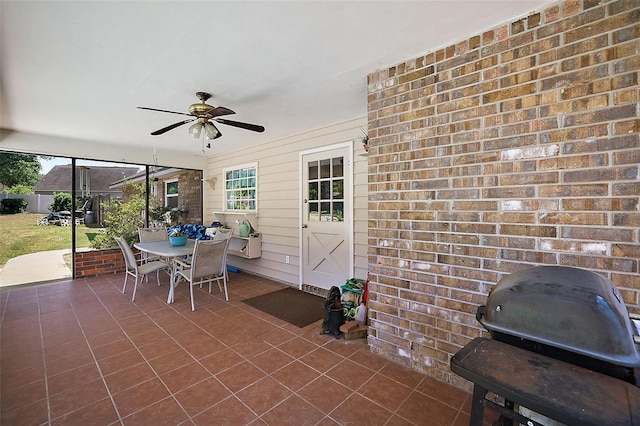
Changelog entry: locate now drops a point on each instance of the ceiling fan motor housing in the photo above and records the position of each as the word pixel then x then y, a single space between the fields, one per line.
pixel 199 109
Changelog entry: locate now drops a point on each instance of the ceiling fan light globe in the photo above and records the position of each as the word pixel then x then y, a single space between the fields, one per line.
pixel 195 130
pixel 212 131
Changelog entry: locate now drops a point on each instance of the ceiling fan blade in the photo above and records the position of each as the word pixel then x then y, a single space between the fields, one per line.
pixel 218 111
pixel 164 110
pixel 171 127
pixel 247 126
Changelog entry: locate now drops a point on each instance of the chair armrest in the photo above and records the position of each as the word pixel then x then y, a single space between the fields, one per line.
pixel 181 264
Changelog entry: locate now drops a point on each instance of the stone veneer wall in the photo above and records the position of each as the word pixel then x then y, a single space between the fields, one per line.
pixel 512 148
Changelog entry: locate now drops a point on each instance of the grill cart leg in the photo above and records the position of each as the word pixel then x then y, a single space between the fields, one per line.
pixel 477 405
pixel 509 406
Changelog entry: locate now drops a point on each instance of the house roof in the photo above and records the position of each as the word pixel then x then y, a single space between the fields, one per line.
pixel 59 178
pixel 141 176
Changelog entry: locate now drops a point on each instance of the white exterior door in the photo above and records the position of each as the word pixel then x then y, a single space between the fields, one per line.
pixel 327 217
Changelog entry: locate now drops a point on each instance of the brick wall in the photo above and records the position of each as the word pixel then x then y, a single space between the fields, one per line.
pixel 515 147
pixel 190 196
pixel 97 263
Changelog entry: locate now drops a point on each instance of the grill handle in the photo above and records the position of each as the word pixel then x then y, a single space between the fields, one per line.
pixel 481 312
pixel 636 339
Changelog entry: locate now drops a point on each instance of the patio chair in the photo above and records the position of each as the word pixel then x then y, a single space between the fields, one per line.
pixel 208 264
pixel 153 234
pixel 223 234
pixel 147 235
pixel 136 268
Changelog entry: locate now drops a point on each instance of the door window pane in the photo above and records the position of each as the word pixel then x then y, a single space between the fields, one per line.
pixel 325 190
pixel 325 169
pixel 313 170
pixel 338 212
pixel 338 189
pixel 313 190
pixel 338 169
pixel 313 212
pixel 326 186
pixel 325 212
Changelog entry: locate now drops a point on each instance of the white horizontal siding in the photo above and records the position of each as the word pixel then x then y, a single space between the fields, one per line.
pixel 279 196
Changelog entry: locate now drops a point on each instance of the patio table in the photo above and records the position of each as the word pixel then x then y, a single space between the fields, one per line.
pixel 164 249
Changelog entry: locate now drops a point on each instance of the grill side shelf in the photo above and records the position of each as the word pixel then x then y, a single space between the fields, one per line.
pixel 556 389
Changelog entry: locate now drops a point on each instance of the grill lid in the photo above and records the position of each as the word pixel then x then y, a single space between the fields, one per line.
pixel 568 308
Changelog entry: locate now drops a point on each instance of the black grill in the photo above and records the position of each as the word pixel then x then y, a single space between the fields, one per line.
pixel 566 313
pixel 562 345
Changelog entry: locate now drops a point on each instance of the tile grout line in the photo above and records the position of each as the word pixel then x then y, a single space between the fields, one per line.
pixel 44 363
pixel 138 350
pixel 172 394
pixel 125 317
pixel 95 360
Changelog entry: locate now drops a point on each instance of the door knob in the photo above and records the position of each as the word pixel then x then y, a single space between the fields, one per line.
pixel 304 226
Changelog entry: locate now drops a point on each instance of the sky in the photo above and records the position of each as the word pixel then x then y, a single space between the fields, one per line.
pixel 47 165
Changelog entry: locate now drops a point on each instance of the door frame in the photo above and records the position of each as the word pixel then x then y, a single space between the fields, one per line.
pixel 350 224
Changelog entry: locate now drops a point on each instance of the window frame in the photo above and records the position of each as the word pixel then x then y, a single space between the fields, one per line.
pixel 167 196
pixel 226 191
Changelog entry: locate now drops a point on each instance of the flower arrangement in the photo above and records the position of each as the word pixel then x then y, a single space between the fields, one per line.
pixel 177 233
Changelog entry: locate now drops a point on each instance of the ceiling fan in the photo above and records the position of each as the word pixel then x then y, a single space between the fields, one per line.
pixel 203 115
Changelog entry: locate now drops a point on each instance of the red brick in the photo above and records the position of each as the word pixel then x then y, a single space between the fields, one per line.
pixel 519 147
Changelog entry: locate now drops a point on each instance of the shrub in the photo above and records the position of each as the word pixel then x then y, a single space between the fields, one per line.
pixel 13 205
pixel 62 202
pixel 122 218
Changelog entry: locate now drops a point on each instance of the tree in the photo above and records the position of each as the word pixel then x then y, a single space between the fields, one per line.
pixel 20 189
pixel 23 169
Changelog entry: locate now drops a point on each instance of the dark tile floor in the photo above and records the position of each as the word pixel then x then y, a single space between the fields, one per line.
pixel 82 353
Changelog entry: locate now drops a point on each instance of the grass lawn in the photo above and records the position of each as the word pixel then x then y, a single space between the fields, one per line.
pixel 21 235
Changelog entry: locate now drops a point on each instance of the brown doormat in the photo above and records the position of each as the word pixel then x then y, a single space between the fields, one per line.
pixel 291 305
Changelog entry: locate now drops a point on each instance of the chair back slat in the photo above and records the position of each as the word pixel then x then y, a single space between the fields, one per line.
pixel 148 235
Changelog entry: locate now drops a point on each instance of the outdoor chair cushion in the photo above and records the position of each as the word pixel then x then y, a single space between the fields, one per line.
pixel 194 232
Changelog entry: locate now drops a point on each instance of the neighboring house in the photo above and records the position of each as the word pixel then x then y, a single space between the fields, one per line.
pixel 94 180
pixel 171 188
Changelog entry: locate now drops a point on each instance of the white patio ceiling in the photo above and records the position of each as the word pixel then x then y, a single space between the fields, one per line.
pixel 78 69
